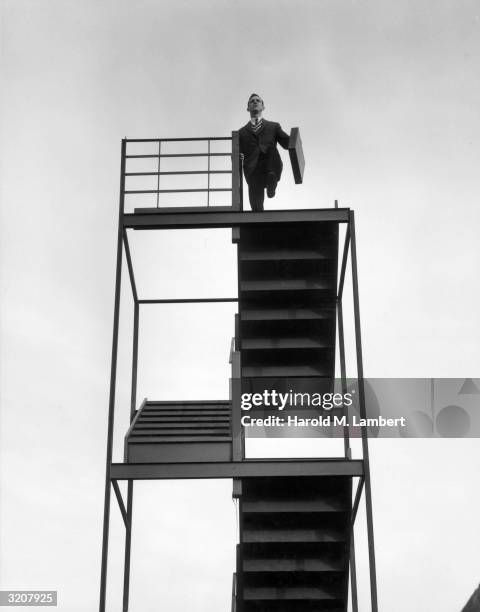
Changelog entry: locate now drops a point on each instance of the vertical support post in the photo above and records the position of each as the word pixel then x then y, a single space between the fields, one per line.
pixel 237 203
pixel 128 543
pixel 353 573
pixel 361 394
pixel 343 374
pixel 128 534
pixel 239 591
pixel 133 401
pixel 238 445
pixel 113 377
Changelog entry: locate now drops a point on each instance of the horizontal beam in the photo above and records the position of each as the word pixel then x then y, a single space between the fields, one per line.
pixel 221 219
pixel 237 469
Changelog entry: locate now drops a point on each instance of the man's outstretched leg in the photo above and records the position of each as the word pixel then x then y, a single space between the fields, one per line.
pixel 271 184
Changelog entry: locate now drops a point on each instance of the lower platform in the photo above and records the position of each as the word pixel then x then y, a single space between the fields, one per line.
pixel 250 468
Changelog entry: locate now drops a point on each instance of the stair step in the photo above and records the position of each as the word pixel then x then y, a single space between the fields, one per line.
pixel 288 314
pixel 294 535
pixel 294 284
pixel 284 254
pixel 286 593
pixel 294 565
pixel 262 371
pixel 182 418
pixel 184 413
pixel 212 404
pixel 333 504
pixel 284 343
pixel 147 426
pixel 293 606
pixel 179 429
pixel 176 439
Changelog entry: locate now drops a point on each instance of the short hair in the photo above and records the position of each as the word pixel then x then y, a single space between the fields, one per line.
pixel 251 96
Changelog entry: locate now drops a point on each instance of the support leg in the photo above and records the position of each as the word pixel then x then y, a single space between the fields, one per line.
pixel 128 541
pixel 111 405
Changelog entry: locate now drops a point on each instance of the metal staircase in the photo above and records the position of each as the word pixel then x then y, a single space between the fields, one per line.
pixel 296 515
pixel 287 299
pixel 294 532
pixel 294 544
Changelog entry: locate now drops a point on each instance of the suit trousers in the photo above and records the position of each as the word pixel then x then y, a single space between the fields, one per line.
pixel 257 181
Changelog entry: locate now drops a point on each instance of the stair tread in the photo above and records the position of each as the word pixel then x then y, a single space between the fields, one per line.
pixel 294 284
pixel 283 593
pixel 293 535
pixel 188 413
pixel 283 370
pixel 189 404
pixel 175 439
pixel 284 343
pixel 289 314
pixel 293 565
pixel 144 419
pixel 283 254
pixel 294 505
pixel 143 426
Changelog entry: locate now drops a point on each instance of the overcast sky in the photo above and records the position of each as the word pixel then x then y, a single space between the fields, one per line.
pixel 386 94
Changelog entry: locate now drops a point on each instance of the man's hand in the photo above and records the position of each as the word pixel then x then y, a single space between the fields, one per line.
pixel 242 156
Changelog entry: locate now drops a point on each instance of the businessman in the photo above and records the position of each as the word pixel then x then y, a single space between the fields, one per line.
pixel 262 164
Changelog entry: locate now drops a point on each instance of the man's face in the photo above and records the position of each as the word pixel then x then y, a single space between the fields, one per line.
pixel 255 104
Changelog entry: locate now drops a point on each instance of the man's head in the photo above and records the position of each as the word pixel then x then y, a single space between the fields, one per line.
pixel 255 105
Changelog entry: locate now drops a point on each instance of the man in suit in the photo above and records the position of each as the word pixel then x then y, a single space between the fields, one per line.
pixel 262 164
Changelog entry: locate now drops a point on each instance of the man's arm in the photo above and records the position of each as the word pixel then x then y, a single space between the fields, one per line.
pixel 281 137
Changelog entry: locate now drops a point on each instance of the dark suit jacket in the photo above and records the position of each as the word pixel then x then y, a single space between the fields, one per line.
pixel 262 146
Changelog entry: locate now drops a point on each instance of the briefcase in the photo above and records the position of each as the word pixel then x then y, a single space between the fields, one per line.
pixel 295 151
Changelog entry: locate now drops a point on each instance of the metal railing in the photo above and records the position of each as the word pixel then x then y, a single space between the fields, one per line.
pixel 158 167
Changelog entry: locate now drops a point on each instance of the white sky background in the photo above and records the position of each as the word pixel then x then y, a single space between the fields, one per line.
pixel 386 95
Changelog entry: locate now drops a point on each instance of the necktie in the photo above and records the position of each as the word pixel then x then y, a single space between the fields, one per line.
pixel 257 125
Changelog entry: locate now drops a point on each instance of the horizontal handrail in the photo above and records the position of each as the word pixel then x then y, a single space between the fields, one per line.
pixel 178 172
pixel 182 155
pixel 131 191
pixel 132 425
pixel 177 139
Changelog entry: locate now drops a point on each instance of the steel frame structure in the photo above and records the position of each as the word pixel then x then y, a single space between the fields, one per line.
pixel 240 466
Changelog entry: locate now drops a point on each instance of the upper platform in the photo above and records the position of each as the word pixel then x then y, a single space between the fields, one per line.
pixel 156 218
pixel 174 183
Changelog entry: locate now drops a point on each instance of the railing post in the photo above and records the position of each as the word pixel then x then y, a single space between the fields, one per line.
pixel 237 203
pixel 361 394
pixel 113 377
